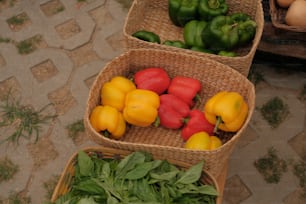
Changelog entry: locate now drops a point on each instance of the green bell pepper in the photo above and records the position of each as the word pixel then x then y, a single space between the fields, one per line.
pixel 175 43
pixel 246 27
pixel 209 9
pixel 221 33
pixel 240 17
pixel 147 36
pixel 193 33
pixel 201 49
pixel 247 31
pixel 227 53
pixel 182 11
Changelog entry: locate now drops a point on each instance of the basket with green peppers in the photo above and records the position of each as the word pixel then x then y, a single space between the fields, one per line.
pixel 167 19
pixel 208 29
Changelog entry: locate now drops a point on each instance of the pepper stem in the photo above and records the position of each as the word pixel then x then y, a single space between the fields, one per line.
pixel 106 133
pixel 156 122
pixel 213 4
pixel 218 122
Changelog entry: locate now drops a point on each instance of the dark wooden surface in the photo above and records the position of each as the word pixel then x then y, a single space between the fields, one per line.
pixel 281 42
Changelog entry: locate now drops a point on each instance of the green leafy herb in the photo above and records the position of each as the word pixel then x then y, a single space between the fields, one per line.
pixel 142 170
pixel 192 175
pixel 85 163
pixel 137 179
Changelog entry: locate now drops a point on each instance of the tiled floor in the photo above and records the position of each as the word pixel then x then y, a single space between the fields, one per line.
pixel 71 41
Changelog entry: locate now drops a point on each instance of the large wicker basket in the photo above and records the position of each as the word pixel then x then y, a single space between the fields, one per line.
pixel 153 16
pixel 214 77
pixel 278 15
pixel 64 184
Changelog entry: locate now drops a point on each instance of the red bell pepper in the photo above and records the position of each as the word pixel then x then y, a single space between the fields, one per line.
pixel 153 79
pixel 196 123
pixel 185 88
pixel 172 111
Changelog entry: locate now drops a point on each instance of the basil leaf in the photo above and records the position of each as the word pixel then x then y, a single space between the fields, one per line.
pixel 167 176
pixel 86 165
pixel 64 199
pixel 136 179
pixel 112 200
pixel 88 200
pixel 106 171
pixel 88 187
pixel 192 175
pixel 128 163
pixel 109 187
pixel 145 192
pixel 208 190
pixel 142 170
pixel 98 165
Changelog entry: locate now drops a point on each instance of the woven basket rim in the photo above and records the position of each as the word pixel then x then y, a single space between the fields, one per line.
pixel 120 152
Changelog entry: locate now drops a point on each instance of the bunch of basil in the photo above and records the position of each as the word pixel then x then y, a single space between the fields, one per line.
pixel 135 179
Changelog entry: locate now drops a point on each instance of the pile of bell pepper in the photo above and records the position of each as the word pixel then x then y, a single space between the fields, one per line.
pixel 152 98
pixel 207 27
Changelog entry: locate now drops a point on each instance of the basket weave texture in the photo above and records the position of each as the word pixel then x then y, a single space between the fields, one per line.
pixel 278 15
pixel 153 16
pixel 64 184
pixel 214 77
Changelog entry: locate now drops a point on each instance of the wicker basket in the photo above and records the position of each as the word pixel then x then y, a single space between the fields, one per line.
pixel 278 15
pixel 65 180
pixel 214 77
pixel 153 16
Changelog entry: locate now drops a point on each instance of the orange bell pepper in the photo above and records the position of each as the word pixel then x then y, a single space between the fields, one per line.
pixel 113 92
pixel 109 120
pixel 141 107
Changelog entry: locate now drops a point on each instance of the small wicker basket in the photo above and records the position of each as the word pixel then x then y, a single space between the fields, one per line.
pixel 64 184
pixel 278 15
pixel 153 16
pixel 214 77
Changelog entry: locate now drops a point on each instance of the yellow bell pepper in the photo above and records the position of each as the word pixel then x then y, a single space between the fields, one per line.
pixel 227 110
pixel 141 107
pixel 203 141
pixel 113 92
pixel 109 119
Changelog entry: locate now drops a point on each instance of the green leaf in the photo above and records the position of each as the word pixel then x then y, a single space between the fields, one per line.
pixel 106 170
pixel 144 191
pixel 88 200
pixel 89 187
pixel 167 176
pixel 136 179
pixel 129 163
pixel 98 165
pixel 189 200
pixel 109 187
pixel 64 199
pixel 192 175
pixel 86 165
pixel 164 193
pixel 141 170
pixel 208 190
pixel 112 200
